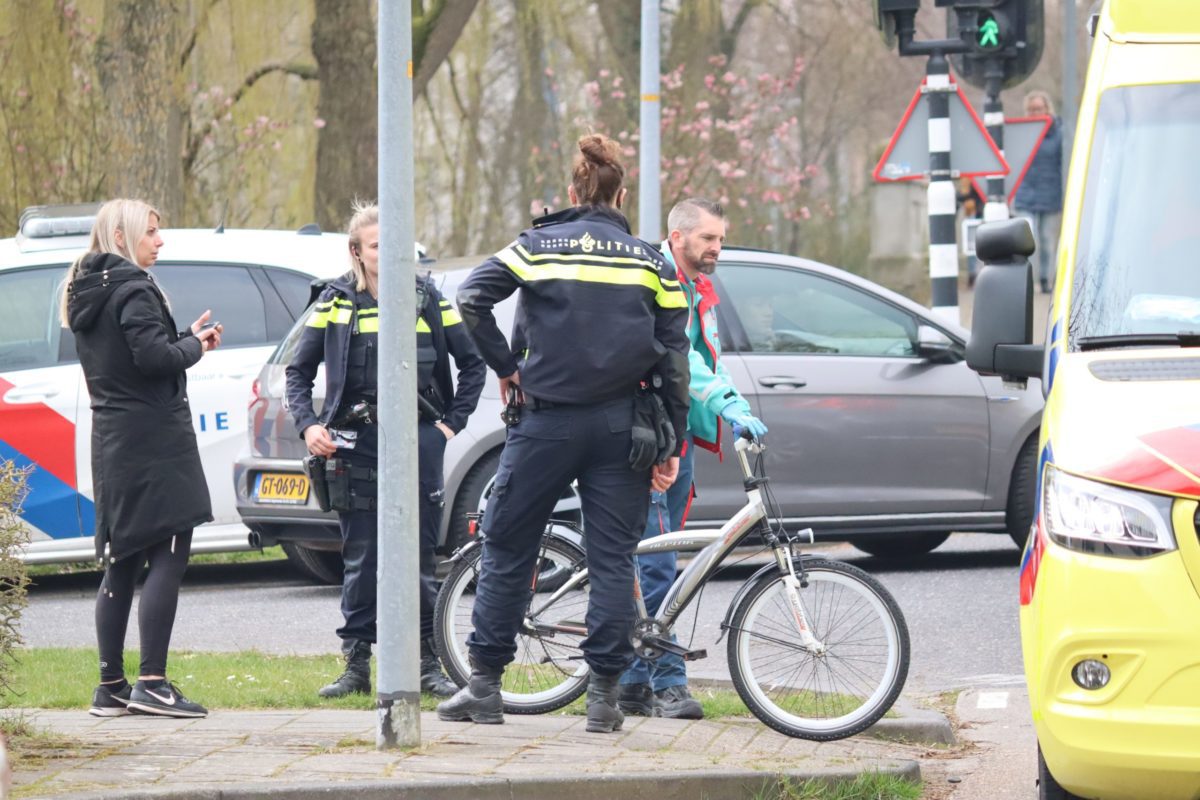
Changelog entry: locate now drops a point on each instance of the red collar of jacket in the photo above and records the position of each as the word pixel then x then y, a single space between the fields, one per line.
pixel 705 288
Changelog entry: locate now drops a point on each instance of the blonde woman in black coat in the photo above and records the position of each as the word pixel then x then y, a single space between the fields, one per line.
pixel 149 484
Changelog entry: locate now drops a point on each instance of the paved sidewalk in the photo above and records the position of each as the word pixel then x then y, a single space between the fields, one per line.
pixel 301 754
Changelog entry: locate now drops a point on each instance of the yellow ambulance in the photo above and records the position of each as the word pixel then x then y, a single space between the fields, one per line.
pixel 1110 578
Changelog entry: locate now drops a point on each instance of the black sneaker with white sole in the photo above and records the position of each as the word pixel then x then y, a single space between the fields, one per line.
pixel 163 699
pixel 107 703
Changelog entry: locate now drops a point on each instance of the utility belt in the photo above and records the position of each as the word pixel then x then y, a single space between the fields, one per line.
pixel 334 481
pixel 365 412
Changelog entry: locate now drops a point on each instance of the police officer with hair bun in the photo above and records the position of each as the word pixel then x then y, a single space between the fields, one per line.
pixel 600 312
pixel 343 332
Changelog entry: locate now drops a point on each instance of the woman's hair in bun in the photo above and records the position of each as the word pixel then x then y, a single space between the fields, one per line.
pixel 598 174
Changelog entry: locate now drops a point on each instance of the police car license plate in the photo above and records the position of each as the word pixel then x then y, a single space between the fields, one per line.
pixel 282 488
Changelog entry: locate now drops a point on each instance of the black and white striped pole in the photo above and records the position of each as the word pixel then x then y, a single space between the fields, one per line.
pixel 943 239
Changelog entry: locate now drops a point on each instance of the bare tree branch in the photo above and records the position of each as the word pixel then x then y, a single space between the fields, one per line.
pixel 434 35
pixel 306 72
pixel 190 45
pixel 729 37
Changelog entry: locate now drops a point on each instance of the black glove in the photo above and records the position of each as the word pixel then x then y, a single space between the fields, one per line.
pixel 664 431
pixel 653 434
pixel 644 451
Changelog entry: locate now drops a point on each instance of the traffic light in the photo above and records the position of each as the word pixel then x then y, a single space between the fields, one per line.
pixel 1009 31
pixel 885 16
pixel 992 30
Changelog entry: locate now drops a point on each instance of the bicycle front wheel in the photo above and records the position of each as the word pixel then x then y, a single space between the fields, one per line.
pixel 548 671
pixel 819 695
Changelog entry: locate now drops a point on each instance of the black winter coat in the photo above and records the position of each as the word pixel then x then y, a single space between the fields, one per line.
pixel 146 472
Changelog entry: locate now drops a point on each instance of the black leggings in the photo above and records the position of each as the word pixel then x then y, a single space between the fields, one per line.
pixel 156 611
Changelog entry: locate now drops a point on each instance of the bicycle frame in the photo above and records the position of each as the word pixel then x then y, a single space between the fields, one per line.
pixel 714 546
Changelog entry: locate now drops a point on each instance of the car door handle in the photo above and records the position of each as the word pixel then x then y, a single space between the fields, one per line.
pixel 782 381
pixel 37 394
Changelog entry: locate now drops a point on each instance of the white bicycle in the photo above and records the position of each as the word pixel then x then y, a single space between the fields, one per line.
pixel 817 649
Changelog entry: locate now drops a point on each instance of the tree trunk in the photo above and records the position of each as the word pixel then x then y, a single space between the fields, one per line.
pixel 138 61
pixel 343 43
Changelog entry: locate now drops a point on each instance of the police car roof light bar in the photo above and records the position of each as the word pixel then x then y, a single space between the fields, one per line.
pixel 44 222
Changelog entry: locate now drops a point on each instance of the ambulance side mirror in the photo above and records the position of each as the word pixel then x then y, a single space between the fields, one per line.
pixel 1001 340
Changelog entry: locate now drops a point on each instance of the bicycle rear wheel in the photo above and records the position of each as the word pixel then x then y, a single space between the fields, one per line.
pixel 828 696
pixel 549 671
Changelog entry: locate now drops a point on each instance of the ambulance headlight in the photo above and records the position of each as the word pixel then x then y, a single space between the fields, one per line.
pixel 1097 518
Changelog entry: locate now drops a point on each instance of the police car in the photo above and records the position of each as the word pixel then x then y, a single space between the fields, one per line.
pixel 257 284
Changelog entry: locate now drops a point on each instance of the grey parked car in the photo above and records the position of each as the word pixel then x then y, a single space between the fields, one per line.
pixel 880 434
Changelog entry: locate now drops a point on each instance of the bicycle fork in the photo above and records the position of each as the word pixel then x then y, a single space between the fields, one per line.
pixel 791 588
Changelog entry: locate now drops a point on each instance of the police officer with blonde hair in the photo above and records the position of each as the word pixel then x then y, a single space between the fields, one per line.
pixel 343 332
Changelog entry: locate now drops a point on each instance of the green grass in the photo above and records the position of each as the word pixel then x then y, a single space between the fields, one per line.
pixel 867 786
pixel 238 557
pixel 65 678
pixel 55 677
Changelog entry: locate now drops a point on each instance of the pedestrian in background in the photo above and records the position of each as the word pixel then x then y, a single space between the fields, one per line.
pixel 599 311
pixel 693 245
pixel 343 332
pixel 1039 198
pixel 149 484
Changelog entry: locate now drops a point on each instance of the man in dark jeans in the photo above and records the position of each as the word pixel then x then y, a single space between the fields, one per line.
pixel 697 231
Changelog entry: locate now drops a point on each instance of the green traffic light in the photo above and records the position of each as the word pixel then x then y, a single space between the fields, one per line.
pixel 989 31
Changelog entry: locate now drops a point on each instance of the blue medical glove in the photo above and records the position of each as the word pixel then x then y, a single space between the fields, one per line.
pixel 742 419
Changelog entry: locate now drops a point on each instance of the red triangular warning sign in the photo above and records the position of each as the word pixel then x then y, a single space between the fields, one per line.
pixel 972 151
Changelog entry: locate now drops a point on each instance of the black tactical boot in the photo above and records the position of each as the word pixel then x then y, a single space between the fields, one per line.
pixel 478 701
pixel 603 715
pixel 357 675
pixel 636 700
pixel 433 680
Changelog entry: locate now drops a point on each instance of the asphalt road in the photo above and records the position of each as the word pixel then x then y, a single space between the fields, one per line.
pixel 960 602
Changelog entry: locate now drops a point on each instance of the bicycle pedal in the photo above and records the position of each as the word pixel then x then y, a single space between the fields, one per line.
pixel 674 648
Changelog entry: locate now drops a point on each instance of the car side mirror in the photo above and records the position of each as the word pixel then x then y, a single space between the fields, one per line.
pixel 935 346
pixel 1001 340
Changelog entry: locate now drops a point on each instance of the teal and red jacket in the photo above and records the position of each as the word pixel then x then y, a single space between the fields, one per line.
pixel 710 386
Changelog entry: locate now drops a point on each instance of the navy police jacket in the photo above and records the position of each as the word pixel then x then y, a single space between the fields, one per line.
pixel 326 337
pixel 599 310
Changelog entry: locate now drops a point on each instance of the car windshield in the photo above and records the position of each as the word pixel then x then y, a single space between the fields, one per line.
pixel 1137 266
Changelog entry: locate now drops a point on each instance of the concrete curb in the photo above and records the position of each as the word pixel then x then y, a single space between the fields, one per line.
pixel 636 786
pixel 915 725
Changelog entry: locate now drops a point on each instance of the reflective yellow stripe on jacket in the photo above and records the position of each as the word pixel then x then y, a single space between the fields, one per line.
pixel 557 266
pixel 340 312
